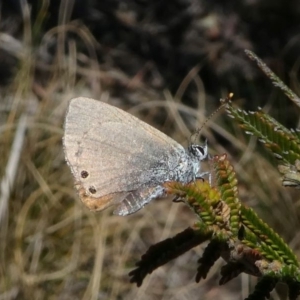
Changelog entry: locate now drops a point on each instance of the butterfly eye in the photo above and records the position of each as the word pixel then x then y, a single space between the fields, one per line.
pixel 198 151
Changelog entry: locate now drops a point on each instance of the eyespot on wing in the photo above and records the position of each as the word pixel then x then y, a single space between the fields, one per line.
pixel 98 203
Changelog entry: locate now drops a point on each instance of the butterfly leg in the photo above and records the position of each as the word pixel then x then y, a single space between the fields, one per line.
pixel 202 175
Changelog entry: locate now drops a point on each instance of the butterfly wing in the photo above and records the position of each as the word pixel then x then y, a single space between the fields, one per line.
pixel 110 152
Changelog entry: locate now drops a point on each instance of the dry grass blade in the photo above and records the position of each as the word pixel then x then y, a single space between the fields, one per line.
pixel 8 179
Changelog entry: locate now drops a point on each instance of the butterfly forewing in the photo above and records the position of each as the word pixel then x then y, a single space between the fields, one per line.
pixel 110 151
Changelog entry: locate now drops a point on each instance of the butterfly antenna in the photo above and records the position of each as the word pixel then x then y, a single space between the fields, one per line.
pixel 225 101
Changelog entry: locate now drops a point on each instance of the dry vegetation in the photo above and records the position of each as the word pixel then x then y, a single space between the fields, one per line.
pixel 54 248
